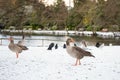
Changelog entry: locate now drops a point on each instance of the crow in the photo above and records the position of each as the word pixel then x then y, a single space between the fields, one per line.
pixel 50 46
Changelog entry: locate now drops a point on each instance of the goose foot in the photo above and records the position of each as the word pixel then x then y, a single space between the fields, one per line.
pixel 77 62
pixel 17 55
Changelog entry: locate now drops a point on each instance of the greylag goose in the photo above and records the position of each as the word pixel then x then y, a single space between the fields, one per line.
pixel 21 41
pixel 84 43
pixel 76 52
pixel 17 48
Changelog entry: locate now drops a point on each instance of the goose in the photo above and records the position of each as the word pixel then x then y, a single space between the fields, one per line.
pixel 21 42
pixel 84 45
pixel 17 48
pixel 76 52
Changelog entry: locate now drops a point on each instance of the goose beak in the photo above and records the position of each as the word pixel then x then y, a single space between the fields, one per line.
pixel 11 38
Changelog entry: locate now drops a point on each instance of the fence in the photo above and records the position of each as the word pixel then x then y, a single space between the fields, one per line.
pixel 33 42
pixel 45 42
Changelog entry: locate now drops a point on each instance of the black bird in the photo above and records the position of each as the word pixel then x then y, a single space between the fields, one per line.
pixel 56 46
pixel 50 46
pixel 64 46
pixel 75 44
pixel 2 26
pixel 97 44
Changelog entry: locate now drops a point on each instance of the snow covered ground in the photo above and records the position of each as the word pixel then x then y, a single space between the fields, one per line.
pixel 38 63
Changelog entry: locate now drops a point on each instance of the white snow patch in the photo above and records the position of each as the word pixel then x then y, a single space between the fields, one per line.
pixel 38 63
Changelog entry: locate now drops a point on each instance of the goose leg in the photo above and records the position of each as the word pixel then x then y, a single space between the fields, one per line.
pixel 17 60
pixel 79 62
pixel 76 62
pixel 17 55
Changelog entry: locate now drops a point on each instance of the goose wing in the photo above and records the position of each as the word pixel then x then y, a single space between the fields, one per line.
pixel 15 48
pixel 82 51
pixel 22 47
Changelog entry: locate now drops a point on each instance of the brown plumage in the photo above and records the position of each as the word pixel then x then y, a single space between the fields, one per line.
pixel 17 48
pixel 76 52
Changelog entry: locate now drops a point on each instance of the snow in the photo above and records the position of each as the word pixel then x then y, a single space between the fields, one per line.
pixel 69 32
pixel 38 63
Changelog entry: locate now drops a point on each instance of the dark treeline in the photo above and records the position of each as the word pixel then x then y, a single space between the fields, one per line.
pixel 85 15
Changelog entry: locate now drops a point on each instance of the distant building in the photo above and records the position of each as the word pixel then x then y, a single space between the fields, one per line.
pixel 104 30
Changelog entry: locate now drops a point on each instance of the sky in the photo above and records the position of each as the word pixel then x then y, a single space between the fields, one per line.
pixel 67 2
